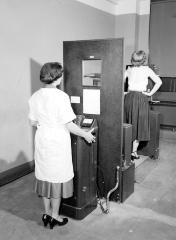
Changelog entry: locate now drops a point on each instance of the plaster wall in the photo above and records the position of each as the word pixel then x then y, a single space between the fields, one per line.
pixel 32 33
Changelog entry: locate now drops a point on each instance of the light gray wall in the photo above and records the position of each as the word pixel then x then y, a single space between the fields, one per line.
pixel 142 41
pixel 32 32
pixel 125 28
pixel 134 29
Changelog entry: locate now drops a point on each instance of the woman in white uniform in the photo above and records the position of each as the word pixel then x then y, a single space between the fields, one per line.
pixel 50 111
pixel 136 104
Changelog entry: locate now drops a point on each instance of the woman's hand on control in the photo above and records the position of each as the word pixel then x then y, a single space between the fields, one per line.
pixel 89 137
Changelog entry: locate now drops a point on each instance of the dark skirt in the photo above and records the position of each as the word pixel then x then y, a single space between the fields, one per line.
pixel 52 190
pixel 136 112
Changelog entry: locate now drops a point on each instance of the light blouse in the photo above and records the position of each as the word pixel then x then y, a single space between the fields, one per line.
pixel 138 78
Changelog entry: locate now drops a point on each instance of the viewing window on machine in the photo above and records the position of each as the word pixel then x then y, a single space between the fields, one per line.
pixel 91 72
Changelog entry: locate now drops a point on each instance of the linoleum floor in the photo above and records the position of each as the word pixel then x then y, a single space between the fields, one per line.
pixel 148 214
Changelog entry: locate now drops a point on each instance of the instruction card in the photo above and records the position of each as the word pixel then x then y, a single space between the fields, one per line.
pixel 91 101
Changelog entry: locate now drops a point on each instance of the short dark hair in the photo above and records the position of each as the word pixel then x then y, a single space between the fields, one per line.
pixel 50 72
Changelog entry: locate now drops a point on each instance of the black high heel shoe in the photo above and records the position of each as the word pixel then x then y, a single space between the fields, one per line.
pixel 135 156
pixel 53 222
pixel 46 219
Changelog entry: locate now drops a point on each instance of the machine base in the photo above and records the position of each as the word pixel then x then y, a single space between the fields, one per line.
pixel 78 212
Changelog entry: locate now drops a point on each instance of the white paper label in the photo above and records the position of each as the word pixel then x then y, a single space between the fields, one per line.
pixel 91 101
pixel 75 99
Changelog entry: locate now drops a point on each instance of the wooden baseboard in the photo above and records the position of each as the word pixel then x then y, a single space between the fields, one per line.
pixel 16 172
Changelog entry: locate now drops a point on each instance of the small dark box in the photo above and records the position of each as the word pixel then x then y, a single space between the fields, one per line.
pixel 127 182
pixel 151 148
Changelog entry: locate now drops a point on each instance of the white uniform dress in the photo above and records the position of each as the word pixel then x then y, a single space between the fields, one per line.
pixel 51 108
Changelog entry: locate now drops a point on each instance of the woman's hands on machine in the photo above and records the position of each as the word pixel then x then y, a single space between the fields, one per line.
pixel 89 137
pixel 86 134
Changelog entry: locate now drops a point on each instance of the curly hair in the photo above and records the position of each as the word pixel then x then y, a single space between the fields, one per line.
pixel 138 58
pixel 50 72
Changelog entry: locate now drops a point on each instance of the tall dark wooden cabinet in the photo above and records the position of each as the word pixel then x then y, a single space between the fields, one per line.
pixel 110 53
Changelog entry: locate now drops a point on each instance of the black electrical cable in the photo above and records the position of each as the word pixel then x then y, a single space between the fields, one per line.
pixel 100 202
pixel 106 200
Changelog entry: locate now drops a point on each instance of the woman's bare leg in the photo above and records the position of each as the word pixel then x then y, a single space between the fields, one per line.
pixel 47 205
pixel 135 147
pixel 55 205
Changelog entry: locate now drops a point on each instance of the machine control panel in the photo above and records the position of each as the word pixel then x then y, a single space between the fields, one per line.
pixel 87 122
pixel 84 122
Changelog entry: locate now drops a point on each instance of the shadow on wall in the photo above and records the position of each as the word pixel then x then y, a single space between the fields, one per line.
pixel 16 169
pixel 35 83
pixel 35 76
pixel 20 159
pixel 21 165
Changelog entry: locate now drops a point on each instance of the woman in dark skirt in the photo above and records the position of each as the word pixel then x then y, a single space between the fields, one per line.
pixel 136 104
